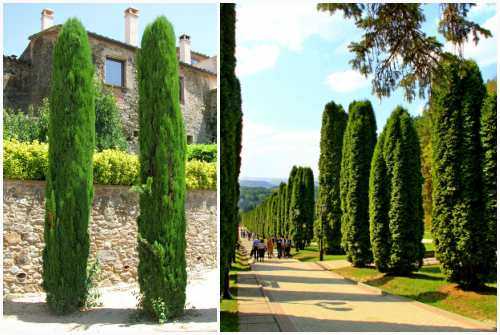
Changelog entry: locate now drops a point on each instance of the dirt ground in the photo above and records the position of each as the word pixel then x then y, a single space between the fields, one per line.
pixel 28 314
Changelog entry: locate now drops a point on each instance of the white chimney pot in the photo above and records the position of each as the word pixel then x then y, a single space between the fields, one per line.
pixel 185 49
pixel 131 25
pixel 47 18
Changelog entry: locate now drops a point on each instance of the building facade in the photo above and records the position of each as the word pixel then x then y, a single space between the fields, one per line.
pixel 27 79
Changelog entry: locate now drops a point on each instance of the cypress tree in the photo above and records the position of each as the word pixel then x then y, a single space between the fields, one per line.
pixel 162 140
pixel 489 174
pixel 230 131
pixel 69 189
pixel 328 207
pixel 396 213
pixel 308 205
pixel 460 233
pixel 358 145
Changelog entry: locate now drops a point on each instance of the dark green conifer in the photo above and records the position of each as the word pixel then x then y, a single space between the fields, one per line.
pixel 458 225
pixel 69 189
pixel 328 206
pixel 162 221
pixel 396 213
pixel 357 150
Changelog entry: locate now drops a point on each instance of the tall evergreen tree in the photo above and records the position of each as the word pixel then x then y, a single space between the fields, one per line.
pixel 162 140
pixel 358 145
pixel 296 215
pixel 396 213
pixel 489 175
pixel 69 189
pixel 328 207
pixel 308 205
pixel 459 230
pixel 230 131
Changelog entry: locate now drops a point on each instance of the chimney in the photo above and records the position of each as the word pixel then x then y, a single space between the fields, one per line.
pixel 185 49
pixel 131 23
pixel 47 18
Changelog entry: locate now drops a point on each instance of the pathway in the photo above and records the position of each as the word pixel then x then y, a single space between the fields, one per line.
pixel 289 295
pixel 29 314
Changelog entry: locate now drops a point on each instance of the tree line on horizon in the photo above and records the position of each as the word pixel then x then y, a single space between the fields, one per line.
pixel 370 204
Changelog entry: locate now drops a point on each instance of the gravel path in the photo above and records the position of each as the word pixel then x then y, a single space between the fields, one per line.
pixel 303 296
pixel 28 314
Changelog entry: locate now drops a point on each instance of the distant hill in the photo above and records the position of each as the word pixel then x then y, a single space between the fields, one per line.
pixel 251 197
pixel 261 182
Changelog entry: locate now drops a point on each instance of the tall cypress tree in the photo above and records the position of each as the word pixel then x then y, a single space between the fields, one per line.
pixel 358 145
pixel 308 205
pixel 396 213
pixel 161 222
pixel 69 189
pixel 459 230
pixel 489 174
pixel 328 207
pixel 230 131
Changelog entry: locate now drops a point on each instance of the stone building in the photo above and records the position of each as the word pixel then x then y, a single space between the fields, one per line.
pixel 27 77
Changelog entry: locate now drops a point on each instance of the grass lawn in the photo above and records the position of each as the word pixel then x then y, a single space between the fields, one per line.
pixel 311 254
pixel 229 307
pixel 429 286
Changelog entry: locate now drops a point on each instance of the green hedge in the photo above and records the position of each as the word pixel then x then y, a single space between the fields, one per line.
pixel 28 161
pixel 202 152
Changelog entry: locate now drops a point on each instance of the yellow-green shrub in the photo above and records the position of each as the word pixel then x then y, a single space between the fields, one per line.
pixel 29 161
pixel 201 175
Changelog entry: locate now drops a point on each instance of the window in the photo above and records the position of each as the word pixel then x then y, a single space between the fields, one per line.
pixel 181 90
pixel 189 139
pixel 193 61
pixel 113 72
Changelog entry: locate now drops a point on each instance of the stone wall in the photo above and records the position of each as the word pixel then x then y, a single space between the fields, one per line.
pixel 16 83
pixel 113 232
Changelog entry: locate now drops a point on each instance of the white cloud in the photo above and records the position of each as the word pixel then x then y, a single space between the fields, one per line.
pixel 485 52
pixel 252 60
pixel 271 152
pixel 346 81
pixel 481 9
pixel 284 26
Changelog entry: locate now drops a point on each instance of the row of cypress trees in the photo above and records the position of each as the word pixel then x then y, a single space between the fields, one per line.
pixel 288 212
pixel 69 192
pixel 230 147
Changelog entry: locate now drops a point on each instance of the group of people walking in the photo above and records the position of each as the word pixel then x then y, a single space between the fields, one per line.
pixel 283 246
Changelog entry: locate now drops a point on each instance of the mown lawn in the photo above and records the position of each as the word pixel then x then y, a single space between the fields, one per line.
pixel 429 286
pixel 229 307
pixel 311 254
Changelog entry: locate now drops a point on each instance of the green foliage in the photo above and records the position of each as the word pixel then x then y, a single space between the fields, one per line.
pixel 201 175
pixel 230 132
pixel 161 222
pixel 489 175
pixel 423 124
pixel 29 161
pixel 396 214
pixel 251 197
pixel 395 48
pixel 458 226
pixel 93 298
pixel 25 161
pixel 29 127
pixel 69 189
pixel 358 145
pixel 115 167
pixel 108 125
pixel 202 152
pixel 328 207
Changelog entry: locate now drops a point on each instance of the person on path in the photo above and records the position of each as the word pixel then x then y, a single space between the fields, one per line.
pixel 254 249
pixel 288 247
pixel 261 249
pixel 270 247
pixel 279 246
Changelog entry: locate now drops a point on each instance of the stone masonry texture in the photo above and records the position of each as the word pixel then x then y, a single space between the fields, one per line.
pixel 27 81
pixel 113 233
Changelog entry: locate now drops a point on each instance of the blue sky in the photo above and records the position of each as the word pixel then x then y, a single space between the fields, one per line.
pixel 292 60
pixel 198 20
